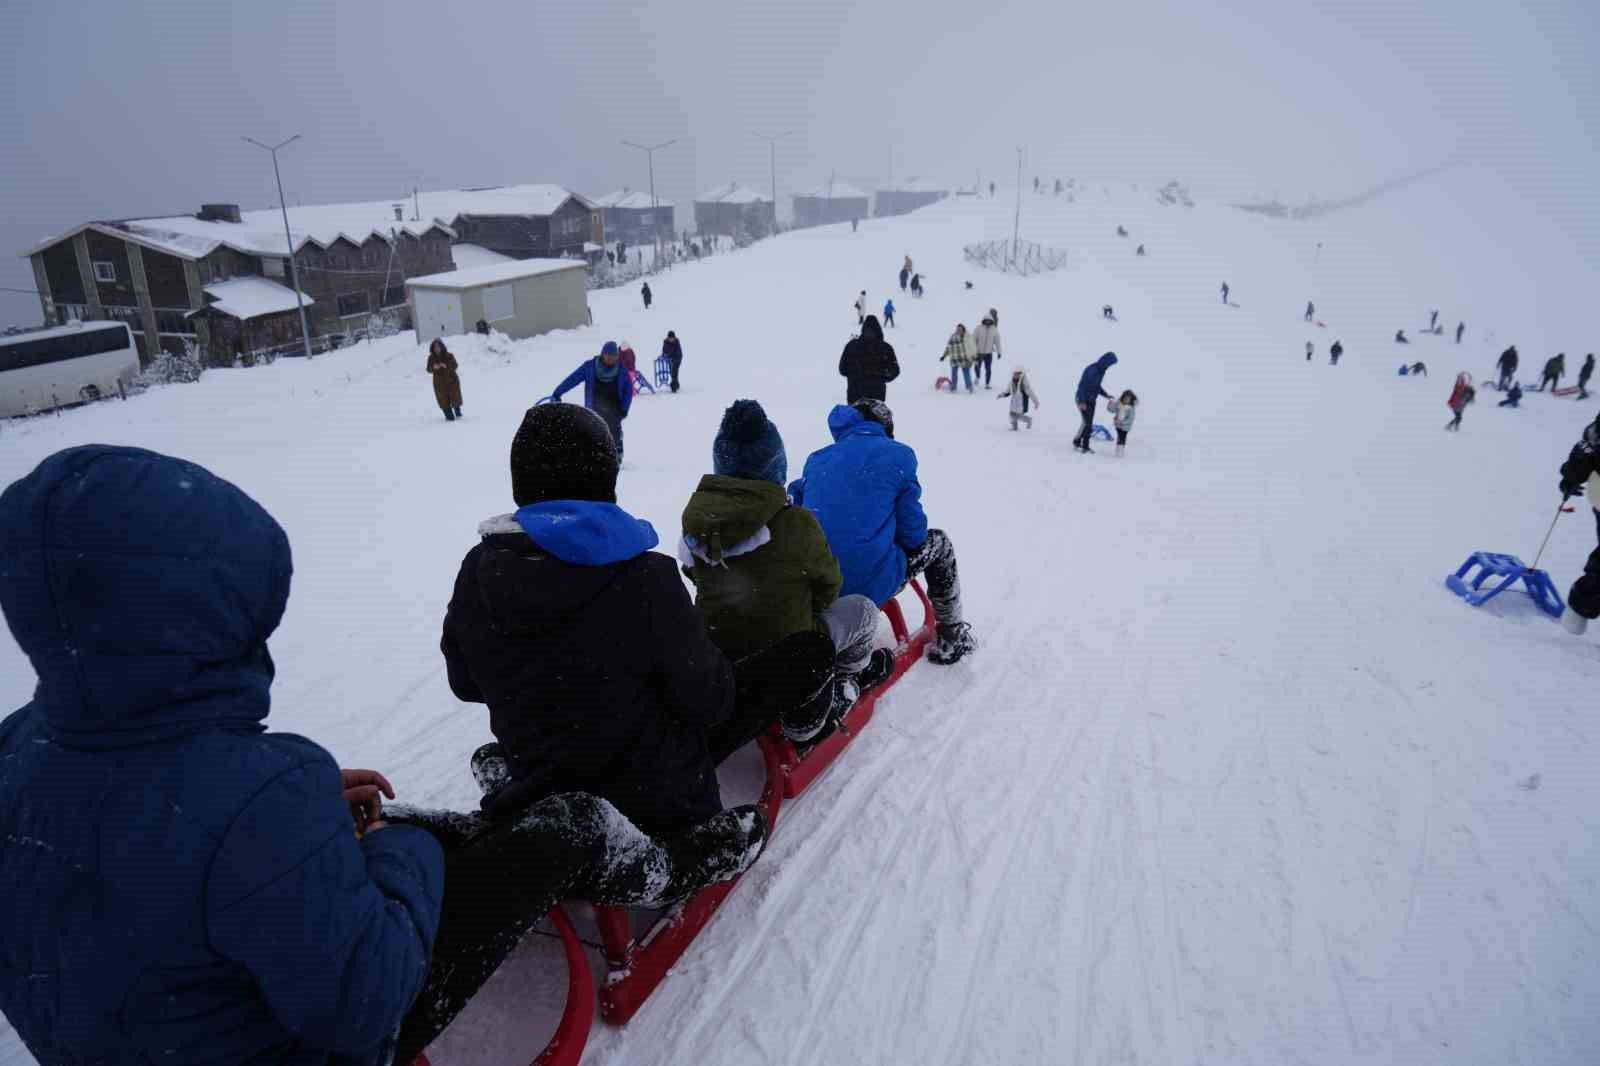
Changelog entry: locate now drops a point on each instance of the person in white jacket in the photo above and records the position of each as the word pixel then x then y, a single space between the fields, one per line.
pixel 986 341
pixel 1023 398
pixel 1123 408
pixel 861 308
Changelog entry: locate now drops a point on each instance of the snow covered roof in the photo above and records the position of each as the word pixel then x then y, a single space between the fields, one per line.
pixel 251 297
pixel 261 232
pixel 58 331
pixel 838 190
pixel 496 273
pixel 630 200
pixel 471 256
pixel 914 185
pixel 733 193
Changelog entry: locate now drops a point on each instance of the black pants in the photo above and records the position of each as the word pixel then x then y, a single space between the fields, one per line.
pixel 888 317
pixel 936 561
pixel 1550 380
pixel 502 876
pixel 1087 429
pixel 1505 378
pixel 1122 437
pixel 612 417
pixel 1455 423
pixel 783 679
pixel 1584 597
pixel 676 361
pixel 985 364
pixel 903 276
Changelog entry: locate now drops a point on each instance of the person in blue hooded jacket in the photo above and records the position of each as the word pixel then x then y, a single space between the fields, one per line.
pixel 1090 390
pixel 182 885
pixel 607 390
pixel 864 491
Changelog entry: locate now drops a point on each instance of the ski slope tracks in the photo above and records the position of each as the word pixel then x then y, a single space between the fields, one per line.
pixel 1232 780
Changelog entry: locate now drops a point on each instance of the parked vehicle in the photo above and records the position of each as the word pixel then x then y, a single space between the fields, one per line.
pixel 77 363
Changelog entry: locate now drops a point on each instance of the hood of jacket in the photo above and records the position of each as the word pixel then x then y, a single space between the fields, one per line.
pixel 725 511
pixel 870 328
pixel 1106 362
pixel 143 589
pixel 586 532
pixel 845 421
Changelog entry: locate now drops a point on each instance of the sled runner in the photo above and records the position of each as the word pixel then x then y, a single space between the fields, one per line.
pixel 1510 570
pixel 641 385
pixel 1100 432
pixel 663 370
pixel 1565 390
pixel 941 384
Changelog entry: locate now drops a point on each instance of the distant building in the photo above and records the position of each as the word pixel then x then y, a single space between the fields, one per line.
pixel 905 197
pixel 167 277
pixel 732 210
pixel 518 298
pixel 834 201
pixel 631 216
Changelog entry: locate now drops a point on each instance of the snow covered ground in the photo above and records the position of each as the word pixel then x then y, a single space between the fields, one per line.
pixel 1233 779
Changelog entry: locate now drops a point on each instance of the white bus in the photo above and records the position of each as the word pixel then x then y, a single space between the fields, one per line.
pixel 76 363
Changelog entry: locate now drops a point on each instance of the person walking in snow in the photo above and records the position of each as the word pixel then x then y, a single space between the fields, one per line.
pixel 672 349
pixel 1585 372
pixel 1139 251
pixel 1460 396
pixel 1311 310
pixel 994 316
pixel 986 342
pixel 446 379
pixel 1513 396
pixel 1106 312
pixel 1090 389
pixel 1461 327
pixel 1224 292
pixel 1123 408
pixel 1507 363
pixel 958 351
pixel 864 491
pixel 1417 368
pixel 1554 369
pixel 1400 337
pixel 888 314
pixel 868 364
pixel 916 285
pixel 1022 397
pixel 905 272
pixel 644 291
pixel 607 391
pixel 1334 353
pixel 861 308
pixel 1580 474
pixel 256 852
pixel 1310 350
pixel 1433 322
pixel 767 584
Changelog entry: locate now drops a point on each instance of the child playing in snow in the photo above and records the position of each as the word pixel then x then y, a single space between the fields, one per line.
pixel 1022 397
pixel 1123 408
pixel 888 312
pixel 1460 396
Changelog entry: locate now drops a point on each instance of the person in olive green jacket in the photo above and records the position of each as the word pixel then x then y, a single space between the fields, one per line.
pixel 762 569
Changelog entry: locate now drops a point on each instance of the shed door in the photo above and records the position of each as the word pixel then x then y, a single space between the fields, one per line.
pixel 438 314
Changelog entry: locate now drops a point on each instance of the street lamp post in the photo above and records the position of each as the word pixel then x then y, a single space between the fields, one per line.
pixel 283 205
pixel 655 208
pixel 772 141
pixel 1016 222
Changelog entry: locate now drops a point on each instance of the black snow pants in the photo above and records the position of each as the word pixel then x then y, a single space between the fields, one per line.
pixel 501 877
pixel 1584 597
pixel 936 561
pixel 610 413
pixel 791 679
pixel 1087 429
pixel 984 368
pixel 676 361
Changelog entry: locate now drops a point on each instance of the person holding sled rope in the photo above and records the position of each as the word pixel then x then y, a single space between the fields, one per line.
pixel 1580 474
pixel 1090 390
pixel 1507 365
pixel 1585 372
pixel 607 389
pixel 1554 369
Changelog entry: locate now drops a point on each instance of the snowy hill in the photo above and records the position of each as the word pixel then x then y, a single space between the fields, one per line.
pixel 1232 780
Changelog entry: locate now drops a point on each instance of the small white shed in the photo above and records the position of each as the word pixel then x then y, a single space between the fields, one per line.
pixel 520 298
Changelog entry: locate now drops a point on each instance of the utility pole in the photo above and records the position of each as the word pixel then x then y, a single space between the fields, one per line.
pixel 288 240
pixel 655 208
pixel 1016 224
pixel 772 141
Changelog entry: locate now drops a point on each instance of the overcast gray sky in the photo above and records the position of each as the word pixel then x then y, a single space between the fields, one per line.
pixel 122 109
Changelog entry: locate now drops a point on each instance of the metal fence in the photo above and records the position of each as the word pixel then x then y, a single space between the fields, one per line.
pixel 1016 257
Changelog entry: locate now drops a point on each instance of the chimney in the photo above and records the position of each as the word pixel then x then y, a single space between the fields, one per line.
pixel 399 212
pixel 219 213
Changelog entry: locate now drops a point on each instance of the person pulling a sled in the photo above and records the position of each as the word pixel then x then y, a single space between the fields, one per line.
pixel 1580 474
pixel 607 389
pixel 1585 372
pixel 1507 365
pixel 958 352
pixel 1554 370
pixel 1090 390
pixel 864 491
pixel 767 585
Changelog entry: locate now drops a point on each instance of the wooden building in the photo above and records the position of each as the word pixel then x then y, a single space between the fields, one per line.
pixel 906 197
pixel 732 210
pixel 631 216
pixel 833 201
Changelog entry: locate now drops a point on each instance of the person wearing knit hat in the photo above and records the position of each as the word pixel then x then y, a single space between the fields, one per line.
pixel 864 491
pixel 607 389
pixel 562 609
pixel 768 585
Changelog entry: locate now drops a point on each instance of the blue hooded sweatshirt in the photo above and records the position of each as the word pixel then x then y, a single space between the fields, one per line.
pixel 1089 388
pixel 864 491
pixel 187 886
pixel 585 533
pixel 586 374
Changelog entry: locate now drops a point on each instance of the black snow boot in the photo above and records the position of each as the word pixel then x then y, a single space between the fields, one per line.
pixel 718 849
pixel 877 671
pixel 951 644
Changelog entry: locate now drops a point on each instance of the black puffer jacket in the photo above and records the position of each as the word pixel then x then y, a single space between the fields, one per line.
pixel 599 679
pixel 868 363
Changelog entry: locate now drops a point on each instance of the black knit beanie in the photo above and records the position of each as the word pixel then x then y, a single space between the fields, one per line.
pixel 563 452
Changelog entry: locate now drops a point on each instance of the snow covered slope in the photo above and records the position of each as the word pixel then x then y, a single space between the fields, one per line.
pixel 1233 779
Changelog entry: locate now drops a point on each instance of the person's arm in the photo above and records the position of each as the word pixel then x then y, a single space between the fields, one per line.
pixel 844 362
pixel 910 521
pixel 571 380
pixel 1579 467
pixel 826 578
pixel 694 677
pixel 461 680
pixel 624 391
pixel 334 933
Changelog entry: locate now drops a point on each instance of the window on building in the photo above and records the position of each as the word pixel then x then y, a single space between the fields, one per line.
pixel 104 271
pixel 393 296
pixel 354 303
pixel 272 266
pixel 499 303
pixel 169 320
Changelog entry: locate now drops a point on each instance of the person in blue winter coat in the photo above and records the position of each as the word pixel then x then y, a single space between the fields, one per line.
pixel 864 491
pixel 1090 390
pixel 182 885
pixel 606 389
pixel 888 313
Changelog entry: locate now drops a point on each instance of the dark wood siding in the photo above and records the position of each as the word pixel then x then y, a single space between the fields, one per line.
pixel 164 273
pixel 519 236
pixel 61 268
pixel 103 249
pixel 569 228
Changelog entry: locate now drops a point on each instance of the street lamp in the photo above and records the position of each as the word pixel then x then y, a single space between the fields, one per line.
pixel 773 140
pixel 294 272
pixel 650 151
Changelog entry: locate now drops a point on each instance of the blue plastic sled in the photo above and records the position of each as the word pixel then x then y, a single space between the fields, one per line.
pixel 1543 591
pixel 1101 432
pixel 663 370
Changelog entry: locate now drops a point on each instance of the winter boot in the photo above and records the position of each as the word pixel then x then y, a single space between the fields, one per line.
pixel 952 643
pixel 449 415
pixel 489 767
pixel 458 410
pixel 1573 622
pixel 718 849
pixel 879 668
pixel 825 707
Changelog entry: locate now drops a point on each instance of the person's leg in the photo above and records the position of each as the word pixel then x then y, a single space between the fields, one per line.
pixel 1029 420
pixel 852 624
pixel 936 560
pixel 1584 596
pixel 1014 418
pixel 790 682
